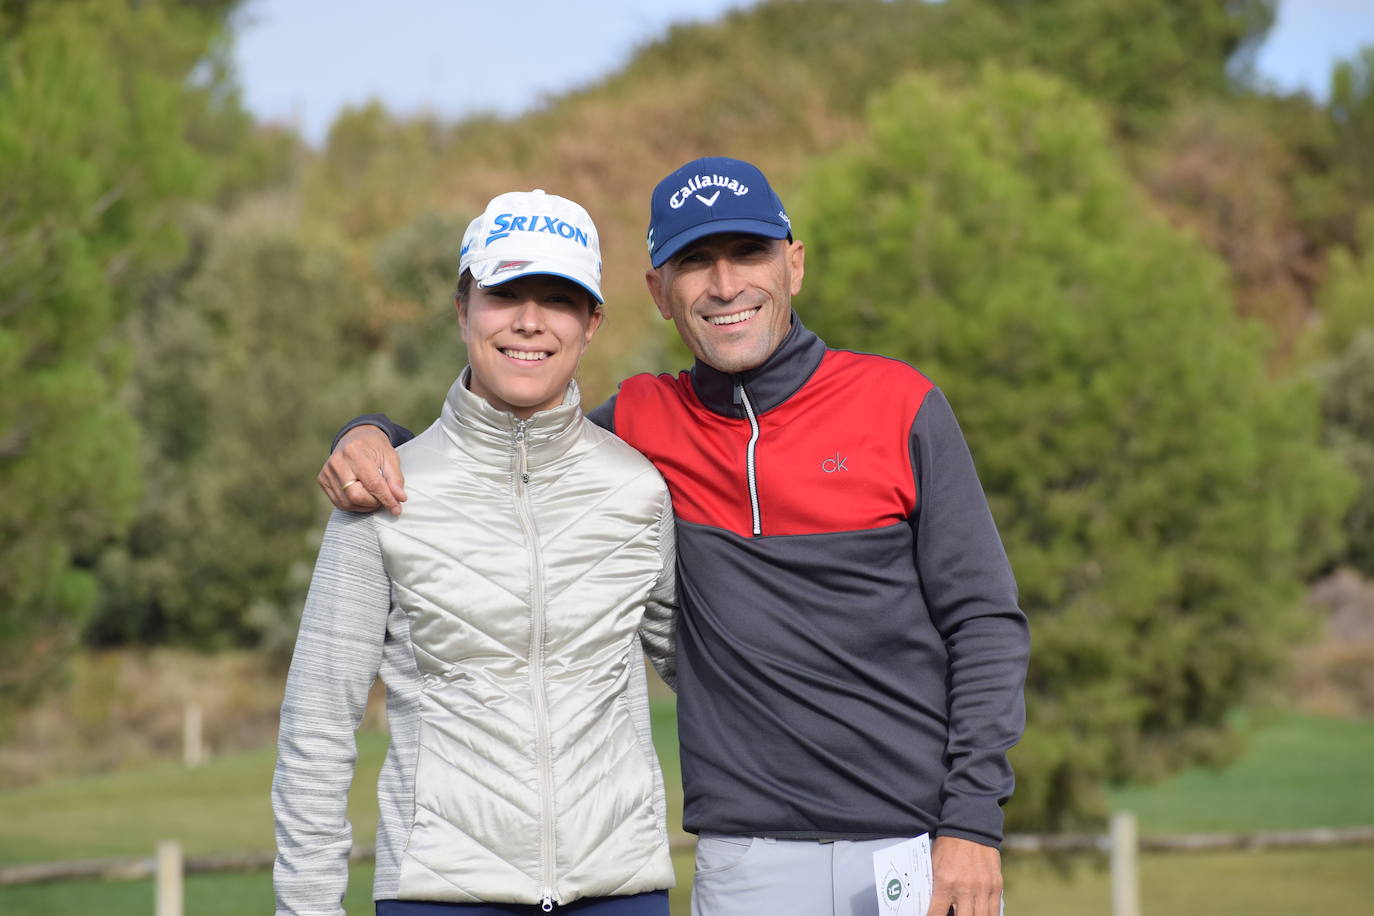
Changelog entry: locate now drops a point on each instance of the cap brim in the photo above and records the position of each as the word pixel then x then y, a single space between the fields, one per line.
pixel 715 227
pixel 543 268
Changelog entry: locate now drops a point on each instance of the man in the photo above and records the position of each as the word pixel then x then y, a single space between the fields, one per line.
pixel 850 652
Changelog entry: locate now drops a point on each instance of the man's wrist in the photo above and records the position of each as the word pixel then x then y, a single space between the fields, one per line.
pixel 371 419
pixel 973 836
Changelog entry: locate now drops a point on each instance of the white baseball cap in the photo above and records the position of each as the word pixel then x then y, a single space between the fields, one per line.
pixel 532 232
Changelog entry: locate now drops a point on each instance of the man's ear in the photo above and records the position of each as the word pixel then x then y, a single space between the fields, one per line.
pixel 654 279
pixel 796 255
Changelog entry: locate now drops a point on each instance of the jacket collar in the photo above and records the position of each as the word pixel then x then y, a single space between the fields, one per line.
pixel 489 435
pixel 779 377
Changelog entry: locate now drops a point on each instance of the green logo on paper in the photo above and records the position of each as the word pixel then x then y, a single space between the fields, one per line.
pixel 894 890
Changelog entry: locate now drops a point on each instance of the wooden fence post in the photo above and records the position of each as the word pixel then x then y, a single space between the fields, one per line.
pixel 168 880
pixel 1125 854
pixel 192 736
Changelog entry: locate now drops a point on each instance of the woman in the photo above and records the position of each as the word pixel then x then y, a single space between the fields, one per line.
pixel 502 611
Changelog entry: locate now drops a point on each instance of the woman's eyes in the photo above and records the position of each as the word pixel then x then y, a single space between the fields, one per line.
pixel 558 299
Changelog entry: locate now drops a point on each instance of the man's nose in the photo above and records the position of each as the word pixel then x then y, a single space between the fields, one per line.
pixel 726 282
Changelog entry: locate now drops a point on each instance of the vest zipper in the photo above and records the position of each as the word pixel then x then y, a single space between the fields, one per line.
pixel 742 397
pixel 540 701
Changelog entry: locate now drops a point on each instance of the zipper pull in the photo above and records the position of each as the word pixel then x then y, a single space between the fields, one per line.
pixel 738 397
pixel 520 448
pixel 547 905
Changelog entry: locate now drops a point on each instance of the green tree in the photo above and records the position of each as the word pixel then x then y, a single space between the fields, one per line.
pixel 1139 56
pixel 1333 178
pixel 95 163
pixel 1161 498
pixel 241 379
pixel 1348 409
pixel 1345 372
pixel 1217 168
pixel 422 352
pixel 1351 113
pixel 387 164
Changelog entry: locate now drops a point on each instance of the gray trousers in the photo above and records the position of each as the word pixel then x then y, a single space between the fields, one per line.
pixel 761 876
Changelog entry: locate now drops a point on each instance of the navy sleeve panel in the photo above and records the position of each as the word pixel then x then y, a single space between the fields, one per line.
pixel 972 600
pixel 604 415
pixel 397 433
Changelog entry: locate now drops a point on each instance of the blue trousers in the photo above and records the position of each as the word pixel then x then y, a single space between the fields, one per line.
pixel 653 903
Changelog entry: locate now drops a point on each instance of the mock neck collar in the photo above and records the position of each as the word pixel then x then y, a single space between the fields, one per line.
pixel 489 435
pixel 769 384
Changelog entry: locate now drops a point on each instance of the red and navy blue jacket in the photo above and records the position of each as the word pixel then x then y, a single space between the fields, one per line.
pixel 850 652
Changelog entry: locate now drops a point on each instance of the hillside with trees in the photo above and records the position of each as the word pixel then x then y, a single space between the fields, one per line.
pixel 1145 282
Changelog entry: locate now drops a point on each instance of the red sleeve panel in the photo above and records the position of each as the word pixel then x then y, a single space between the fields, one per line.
pixel 833 457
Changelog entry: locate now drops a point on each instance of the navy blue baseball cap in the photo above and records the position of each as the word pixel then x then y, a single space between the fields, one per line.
pixel 711 195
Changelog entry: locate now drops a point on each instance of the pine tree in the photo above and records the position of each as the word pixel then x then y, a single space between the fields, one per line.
pixel 95 163
pixel 1345 373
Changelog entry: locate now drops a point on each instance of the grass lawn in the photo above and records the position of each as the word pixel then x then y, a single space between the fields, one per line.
pixel 220 807
pixel 1298 772
pixel 1284 883
pixel 205 895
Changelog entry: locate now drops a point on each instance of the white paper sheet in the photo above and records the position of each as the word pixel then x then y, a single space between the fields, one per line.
pixel 903 879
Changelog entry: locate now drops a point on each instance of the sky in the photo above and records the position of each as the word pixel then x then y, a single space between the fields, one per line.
pixel 302 61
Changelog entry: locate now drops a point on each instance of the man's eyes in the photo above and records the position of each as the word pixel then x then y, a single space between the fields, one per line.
pixel 747 252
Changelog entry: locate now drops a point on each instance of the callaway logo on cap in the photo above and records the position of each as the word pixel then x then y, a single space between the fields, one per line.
pixel 710 195
pixel 531 232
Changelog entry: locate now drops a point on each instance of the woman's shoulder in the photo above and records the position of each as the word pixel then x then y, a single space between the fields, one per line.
pixel 430 449
pixel 619 459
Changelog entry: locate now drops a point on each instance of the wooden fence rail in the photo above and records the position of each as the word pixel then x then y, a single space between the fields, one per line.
pixel 1193 842
pixel 134 869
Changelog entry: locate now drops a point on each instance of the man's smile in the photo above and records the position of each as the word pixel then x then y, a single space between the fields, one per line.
pixel 735 318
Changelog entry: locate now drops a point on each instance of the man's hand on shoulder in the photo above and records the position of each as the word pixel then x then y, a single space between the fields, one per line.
pixel 968 877
pixel 364 472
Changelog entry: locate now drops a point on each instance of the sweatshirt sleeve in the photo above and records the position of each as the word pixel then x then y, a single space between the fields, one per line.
pixel 337 656
pixel 657 631
pixel 397 433
pixel 603 414
pixel 971 594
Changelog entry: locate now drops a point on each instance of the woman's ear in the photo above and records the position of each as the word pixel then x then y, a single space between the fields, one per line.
pixel 594 322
